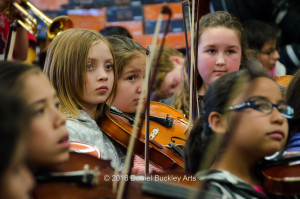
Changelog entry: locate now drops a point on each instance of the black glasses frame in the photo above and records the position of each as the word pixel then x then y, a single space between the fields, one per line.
pixel 252 104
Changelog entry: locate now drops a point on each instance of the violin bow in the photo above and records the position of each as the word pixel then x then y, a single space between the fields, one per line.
pixel 195 94
pixel 192 70
pixel 192 64
pixel 165 10
pixel 192 56
pixel 194 103
pixel 147 107
pixel 186 23
pixel 147 82
pixel 129 155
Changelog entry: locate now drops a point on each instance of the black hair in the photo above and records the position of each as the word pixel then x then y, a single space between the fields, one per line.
pixel 14 114
pixel 216 99
pixel 292 97
pixel 115 30
pixel 14 118
pixel 258 33
pixel 11 71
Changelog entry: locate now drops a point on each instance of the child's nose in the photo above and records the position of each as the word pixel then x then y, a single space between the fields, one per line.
pixel 220 59
pixel 276 55
pixel 102 74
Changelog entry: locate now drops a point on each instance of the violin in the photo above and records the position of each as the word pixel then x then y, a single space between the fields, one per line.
pixel 282 175
pixel 82 176
pixel 168 127
pixel 176 131
pixel 283 80
pixel 85 176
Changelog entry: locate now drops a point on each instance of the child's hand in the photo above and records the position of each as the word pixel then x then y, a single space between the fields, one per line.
pixel 11 11
pixel 3 5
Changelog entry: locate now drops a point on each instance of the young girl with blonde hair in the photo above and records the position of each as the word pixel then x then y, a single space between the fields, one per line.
pixel 81 67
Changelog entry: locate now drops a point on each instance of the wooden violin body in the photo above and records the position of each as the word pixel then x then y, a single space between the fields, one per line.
pixel 72 189
pixel 282 177
pixel 137 189
pixel 119 129
pixel 177 133
pixel 283 80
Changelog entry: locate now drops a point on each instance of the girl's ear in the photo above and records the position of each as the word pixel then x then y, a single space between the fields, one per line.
pixel 217 122
pixel 177 59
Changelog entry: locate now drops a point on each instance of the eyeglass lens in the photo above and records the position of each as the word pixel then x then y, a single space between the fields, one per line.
pixel 267 107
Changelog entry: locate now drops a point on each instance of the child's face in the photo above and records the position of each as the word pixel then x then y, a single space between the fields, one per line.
pixel 219 52
pixel 99 76
pixel 259 133
pixel 17 180
pixel 130 85
pixel 269 55
pixel 48 140
pixel 172 80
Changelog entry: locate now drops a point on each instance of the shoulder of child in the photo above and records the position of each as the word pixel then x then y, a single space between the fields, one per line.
pixel 225 184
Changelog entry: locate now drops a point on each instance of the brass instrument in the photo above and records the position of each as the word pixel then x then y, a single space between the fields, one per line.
pixel 55 26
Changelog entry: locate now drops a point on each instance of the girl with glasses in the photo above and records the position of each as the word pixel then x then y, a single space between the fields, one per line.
pixel 262 39
pixel 244 119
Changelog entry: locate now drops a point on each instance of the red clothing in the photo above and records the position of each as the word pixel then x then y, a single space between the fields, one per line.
pixel 4 29
pixel 31 38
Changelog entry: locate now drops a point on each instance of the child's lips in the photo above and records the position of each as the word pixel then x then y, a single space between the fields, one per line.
pixel 220 72
pixel 138 100
pixel 278 135
pixel 102 89
pixel 64 142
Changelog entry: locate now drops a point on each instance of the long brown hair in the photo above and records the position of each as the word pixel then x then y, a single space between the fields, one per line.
pixel 65 66
pixel 213 20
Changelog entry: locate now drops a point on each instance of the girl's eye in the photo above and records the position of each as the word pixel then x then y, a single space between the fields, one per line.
pixel 211 51
pixel 108 67
pixel 132 77
pixel 57 104
pixel 90 66
pixel 263 105
pixel 230 51
pixel 39 112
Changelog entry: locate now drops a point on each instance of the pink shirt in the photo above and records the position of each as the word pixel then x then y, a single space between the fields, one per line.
pixel 259 189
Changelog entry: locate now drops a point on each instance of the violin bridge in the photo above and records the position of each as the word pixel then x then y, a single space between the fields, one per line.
pixel 154 133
